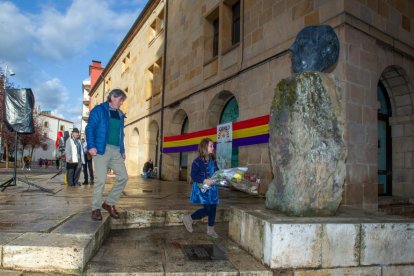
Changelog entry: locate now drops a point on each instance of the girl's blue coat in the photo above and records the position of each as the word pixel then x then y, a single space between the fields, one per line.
pixel 201 170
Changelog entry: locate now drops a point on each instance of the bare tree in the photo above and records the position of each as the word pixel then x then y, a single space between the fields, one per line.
pixel 7 138
pixel 35 139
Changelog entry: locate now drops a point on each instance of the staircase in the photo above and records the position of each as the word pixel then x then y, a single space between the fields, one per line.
pixel 394 205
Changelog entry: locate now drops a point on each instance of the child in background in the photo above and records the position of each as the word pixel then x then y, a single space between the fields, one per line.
pixel 202 169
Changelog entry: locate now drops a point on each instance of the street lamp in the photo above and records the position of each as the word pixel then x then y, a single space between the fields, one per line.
pixel 6 72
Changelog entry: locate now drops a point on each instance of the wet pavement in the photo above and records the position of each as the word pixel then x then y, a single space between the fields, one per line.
pixel 157 249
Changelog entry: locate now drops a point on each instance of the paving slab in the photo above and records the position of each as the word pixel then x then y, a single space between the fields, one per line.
pixel 30 218
pixel 159 251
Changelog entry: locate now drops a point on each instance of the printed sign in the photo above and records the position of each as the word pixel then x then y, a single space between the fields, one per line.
pixel 224 145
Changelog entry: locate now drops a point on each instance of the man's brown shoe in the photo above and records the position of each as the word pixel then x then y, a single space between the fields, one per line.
pixel 111 210
pixel 96 214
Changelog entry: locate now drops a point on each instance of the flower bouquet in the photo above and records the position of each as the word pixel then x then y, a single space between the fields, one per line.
pixel 237 178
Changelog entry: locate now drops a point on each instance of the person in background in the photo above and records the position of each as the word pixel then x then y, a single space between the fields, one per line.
pixel 148 169
pixel 27 162
pixel 58 152
pixel 88 164
pixel 105 142
pixel 74 158
pixel 202 168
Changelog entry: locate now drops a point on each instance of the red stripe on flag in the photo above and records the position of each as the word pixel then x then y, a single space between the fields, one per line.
pixel 251 122
pixel 185 136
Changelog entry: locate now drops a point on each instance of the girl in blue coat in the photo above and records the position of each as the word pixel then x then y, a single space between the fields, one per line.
pixel 202 169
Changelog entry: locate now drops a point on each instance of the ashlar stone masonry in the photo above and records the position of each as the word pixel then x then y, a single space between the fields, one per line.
pixel 307 146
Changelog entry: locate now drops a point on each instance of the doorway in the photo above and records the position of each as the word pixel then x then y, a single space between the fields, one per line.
pixel 384 142
pixel 182 175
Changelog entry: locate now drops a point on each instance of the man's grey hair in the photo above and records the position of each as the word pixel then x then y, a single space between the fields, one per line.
pixel 116 93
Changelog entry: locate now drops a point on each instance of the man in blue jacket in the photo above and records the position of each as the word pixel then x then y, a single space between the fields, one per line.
pixel 105 142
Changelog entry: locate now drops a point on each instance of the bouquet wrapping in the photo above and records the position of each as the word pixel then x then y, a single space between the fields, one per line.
pixel 233 177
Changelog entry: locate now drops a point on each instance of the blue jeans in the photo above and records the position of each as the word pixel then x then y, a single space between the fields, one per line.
pixel 208 210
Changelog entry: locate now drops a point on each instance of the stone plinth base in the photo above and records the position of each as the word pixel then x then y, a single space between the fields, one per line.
pixel 353 241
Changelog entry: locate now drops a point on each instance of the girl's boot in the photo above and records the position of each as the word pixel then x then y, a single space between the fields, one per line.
pixel 211 232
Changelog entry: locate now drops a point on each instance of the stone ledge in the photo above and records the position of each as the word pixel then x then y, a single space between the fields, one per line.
pixel 67 249
pixel 350 239
pixel 47 252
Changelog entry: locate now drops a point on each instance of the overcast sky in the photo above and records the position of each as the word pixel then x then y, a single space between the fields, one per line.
pixel 49 44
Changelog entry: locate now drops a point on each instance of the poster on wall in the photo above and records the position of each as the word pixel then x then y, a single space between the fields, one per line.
pixel 224 145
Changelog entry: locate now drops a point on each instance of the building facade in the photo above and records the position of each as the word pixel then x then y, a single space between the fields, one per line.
pixel 86 88
pixel 51 125
pixel 188 66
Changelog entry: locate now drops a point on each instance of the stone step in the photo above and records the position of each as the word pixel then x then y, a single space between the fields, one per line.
pixel 66 249
pixel 390 200
pixel 70 246
pixel 142 218
pixel 406 209
pixel 161 251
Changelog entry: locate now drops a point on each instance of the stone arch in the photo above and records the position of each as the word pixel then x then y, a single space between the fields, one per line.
pixel 216 107
pixel 153 142
pixel 135 137
pixel 133 154
pixel 400 92
pixel 177 121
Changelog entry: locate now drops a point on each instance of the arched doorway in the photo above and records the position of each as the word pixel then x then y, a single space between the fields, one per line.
pixel 230 114
pixel 183 155
pixel 384 142
pixel 134 153
pixel 397 105
pixel 153 142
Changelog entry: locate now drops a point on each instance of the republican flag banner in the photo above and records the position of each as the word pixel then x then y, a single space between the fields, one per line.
pixel 244 133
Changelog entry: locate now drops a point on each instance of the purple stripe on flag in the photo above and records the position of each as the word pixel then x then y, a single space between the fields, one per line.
pixel 180 149
pixel 259 139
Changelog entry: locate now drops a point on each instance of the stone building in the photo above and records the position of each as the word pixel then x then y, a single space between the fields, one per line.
pixel 51 125
pixel 189 65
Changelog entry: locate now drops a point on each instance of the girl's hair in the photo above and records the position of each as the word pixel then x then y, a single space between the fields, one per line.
pixel 203 149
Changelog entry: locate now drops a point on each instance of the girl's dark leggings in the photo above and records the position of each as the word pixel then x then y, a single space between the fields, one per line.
pixel 208 210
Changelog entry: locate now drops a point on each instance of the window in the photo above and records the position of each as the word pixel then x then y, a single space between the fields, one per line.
pixel 215 37
pixel 154 80
pixel 46 124
pixel 108 84
pixel 235 31
pixel 211 35
pixel 125 62
pixel 45 134
pixel 156 26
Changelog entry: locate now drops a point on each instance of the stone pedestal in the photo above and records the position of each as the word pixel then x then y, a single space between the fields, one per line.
pixel 351 243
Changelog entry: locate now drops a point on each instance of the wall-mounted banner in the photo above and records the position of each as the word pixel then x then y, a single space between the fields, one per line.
pixel 244 133
pixel 224 145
